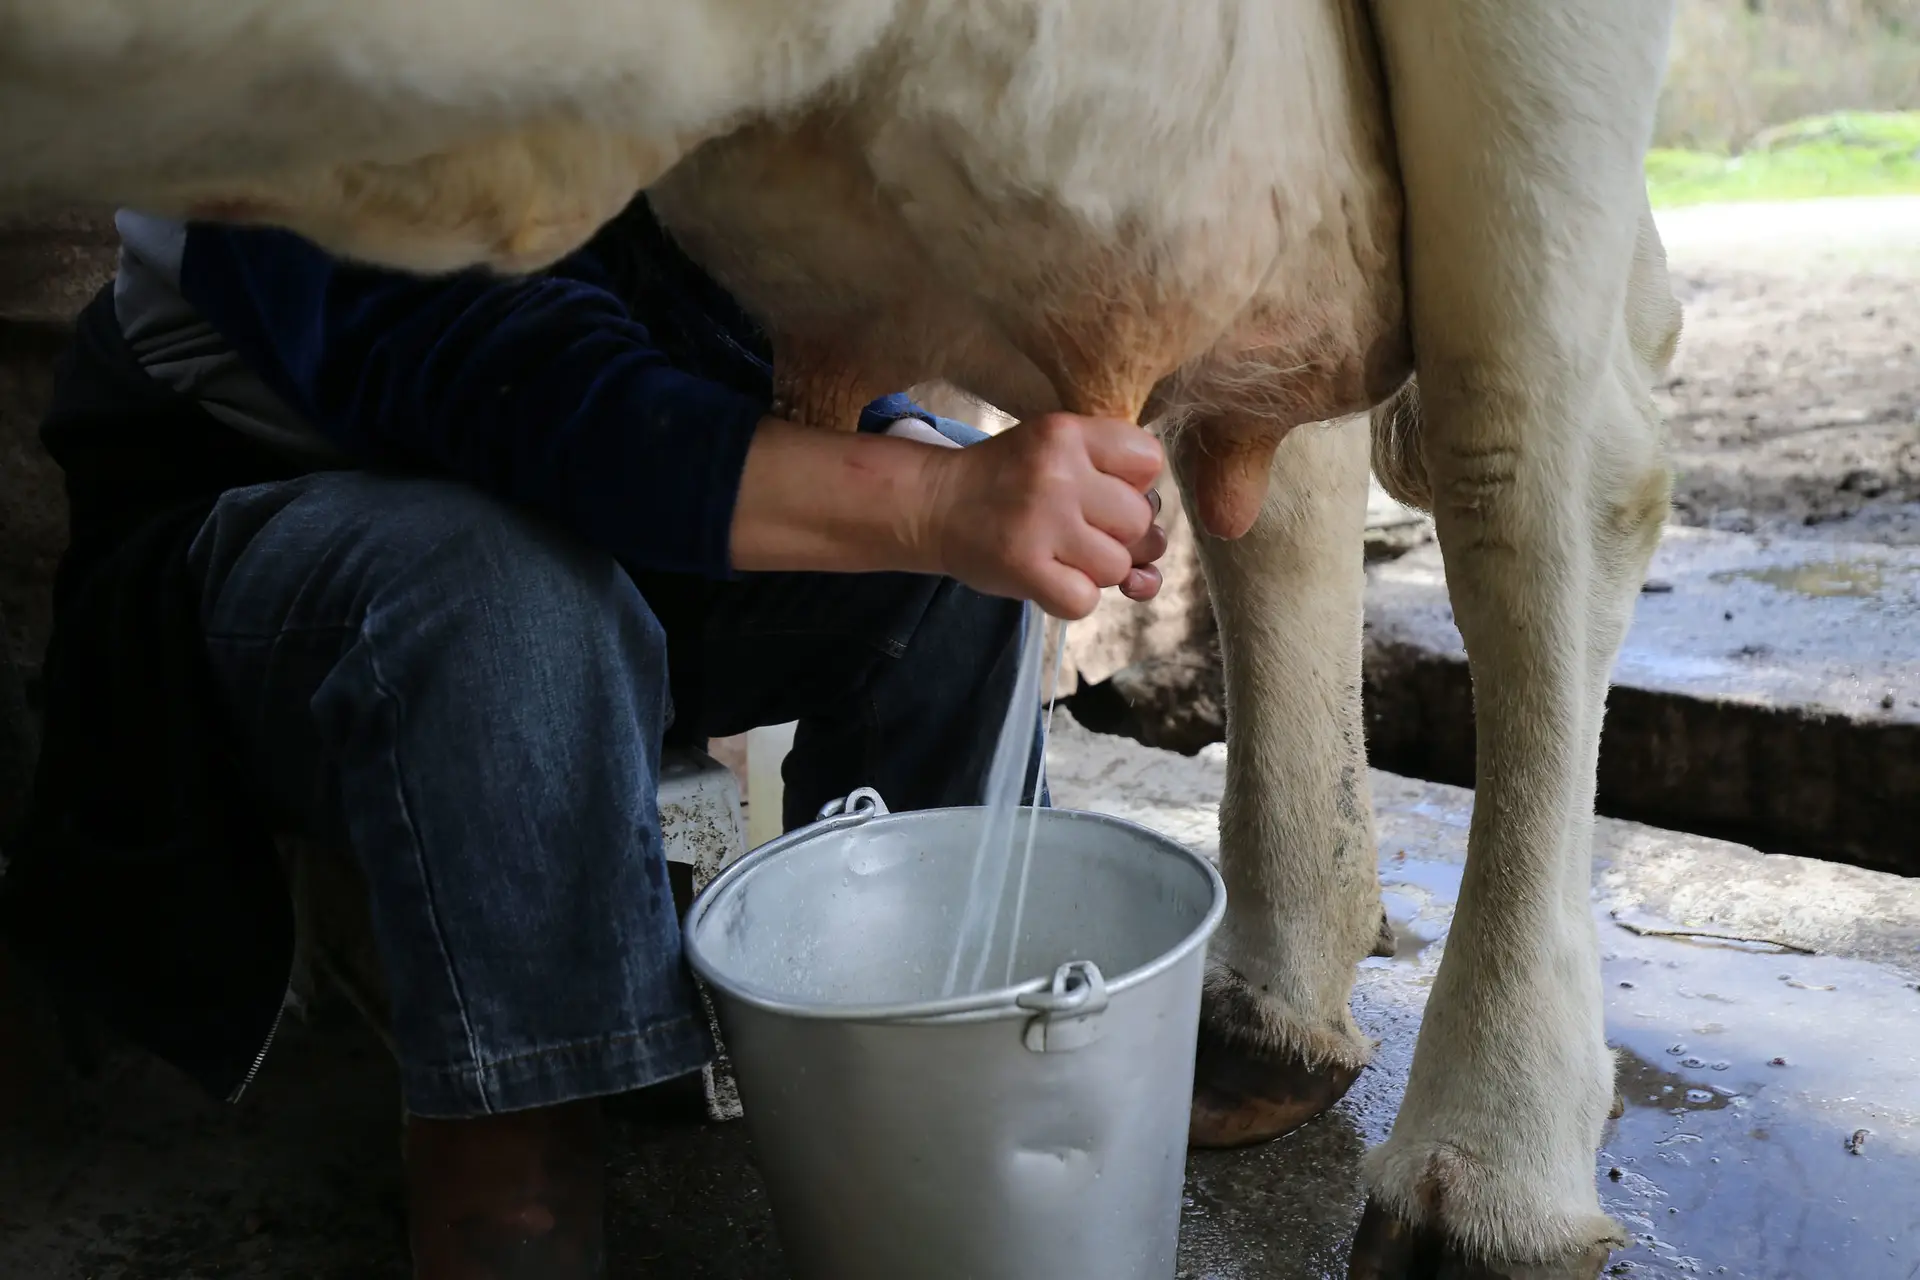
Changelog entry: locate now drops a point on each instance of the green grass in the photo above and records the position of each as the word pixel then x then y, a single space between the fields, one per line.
pixel 1851 153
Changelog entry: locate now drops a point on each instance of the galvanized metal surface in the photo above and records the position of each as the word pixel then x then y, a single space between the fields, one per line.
pixel 1036 1131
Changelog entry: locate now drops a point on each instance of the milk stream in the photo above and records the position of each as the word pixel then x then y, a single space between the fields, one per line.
pixel 993 858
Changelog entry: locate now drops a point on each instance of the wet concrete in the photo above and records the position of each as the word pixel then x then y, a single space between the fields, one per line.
pixel 1768 692
pixel 1729 1162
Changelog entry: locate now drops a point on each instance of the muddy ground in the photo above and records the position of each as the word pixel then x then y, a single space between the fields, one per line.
pixel 1794 400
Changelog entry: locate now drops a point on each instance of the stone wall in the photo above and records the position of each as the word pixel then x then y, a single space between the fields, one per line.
pixel 49 267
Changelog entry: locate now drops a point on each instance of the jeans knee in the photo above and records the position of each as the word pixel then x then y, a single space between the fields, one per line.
pixel 465 590
pixel 525 600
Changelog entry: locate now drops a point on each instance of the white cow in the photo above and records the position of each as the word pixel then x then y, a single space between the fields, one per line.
pixel 537 121
pixel 1233 217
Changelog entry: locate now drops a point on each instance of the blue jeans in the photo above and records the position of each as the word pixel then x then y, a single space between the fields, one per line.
pixel 476 704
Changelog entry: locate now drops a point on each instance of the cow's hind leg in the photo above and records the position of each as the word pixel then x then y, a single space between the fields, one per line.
pixel 1277 1043
pixel 1541 311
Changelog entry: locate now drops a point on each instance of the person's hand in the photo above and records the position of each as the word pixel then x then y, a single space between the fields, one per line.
pixel 1144 582
pixel 1051 510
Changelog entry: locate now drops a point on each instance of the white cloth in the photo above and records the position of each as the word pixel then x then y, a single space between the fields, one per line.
pixel 914 429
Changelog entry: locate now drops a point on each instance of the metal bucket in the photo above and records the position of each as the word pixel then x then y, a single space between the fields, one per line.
pixel 1033 1132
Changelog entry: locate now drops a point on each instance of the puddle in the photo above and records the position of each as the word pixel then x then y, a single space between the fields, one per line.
pixel 1818 578
pixel 1745 1072
pixel 1431 882
pixel 1415 926
pixel 1747 1077
pixel 1418 894
pixel 1676 1091
pixel 1751 1077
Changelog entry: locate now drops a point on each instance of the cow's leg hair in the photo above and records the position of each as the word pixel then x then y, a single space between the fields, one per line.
pixel 1277 1042
pixel 1522 127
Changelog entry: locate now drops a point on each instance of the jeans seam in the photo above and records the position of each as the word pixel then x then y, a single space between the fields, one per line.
pixel 393 699
pixel 668 1049
pixel 566 1047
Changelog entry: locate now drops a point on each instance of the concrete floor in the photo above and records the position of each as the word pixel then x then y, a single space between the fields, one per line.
pixel 1747 1069
pixel 1768 691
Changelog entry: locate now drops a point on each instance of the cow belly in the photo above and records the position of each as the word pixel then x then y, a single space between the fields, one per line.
pixel 1183 211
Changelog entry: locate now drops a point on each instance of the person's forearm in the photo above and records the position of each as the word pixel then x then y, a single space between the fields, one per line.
pixel 833 502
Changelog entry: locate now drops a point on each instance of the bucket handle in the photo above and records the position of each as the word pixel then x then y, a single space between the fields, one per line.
pixel 861 804
pixel 1068 1009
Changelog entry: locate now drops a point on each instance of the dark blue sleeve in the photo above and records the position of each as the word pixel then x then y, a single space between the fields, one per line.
pixel 545 391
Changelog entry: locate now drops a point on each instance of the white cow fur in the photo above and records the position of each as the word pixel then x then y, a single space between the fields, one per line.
pixel 541 119
pixel 1542 313
pixel 1192 211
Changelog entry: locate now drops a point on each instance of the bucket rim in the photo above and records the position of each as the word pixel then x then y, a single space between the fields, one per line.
pixel 1000 1002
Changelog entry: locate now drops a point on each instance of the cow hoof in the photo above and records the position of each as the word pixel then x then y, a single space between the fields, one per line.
pixel 1241 1097
pixel 1384 1248
pixel 1250 1084
pixel 1385 946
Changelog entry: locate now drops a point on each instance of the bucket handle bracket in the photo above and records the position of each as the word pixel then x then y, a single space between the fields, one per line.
pixel 861 804
pixel 1067 1013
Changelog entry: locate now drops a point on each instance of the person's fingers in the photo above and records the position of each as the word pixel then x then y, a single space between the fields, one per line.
pixel 1150 548
pixel 1065 592
pixel 1103 558
pixel 1116 509
pixel 1124 451
pixel 1143 583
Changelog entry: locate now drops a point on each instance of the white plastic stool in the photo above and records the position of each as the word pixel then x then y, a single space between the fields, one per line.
pixel 700 825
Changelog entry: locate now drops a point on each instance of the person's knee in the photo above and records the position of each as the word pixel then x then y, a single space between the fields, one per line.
pixel 516 600
pixel 439 579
